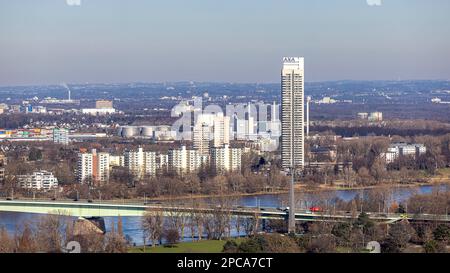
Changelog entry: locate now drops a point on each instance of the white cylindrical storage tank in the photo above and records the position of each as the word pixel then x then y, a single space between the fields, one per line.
pixel 163 132
pixel 147 131
pixel 129 131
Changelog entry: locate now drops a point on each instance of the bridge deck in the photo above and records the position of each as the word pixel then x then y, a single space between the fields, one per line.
pixel 86 209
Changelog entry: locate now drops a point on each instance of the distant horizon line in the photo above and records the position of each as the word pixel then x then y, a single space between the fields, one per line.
pixel 217 82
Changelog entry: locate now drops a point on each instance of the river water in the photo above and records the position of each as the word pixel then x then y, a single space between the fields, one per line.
pixel 132 225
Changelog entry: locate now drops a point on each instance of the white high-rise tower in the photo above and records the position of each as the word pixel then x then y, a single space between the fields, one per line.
pixel 292 113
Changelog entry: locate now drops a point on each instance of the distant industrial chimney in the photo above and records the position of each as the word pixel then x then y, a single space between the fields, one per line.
pixel 68 90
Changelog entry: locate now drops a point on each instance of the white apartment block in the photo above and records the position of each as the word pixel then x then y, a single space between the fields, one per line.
pixel 209 127
pixel 162 162
pixel 140 163
pixel 103 167
pixel 201 138
pixel 396 150
pixel 185 161
pixel 226 159
pixel 85 168
pixel 221 130
pixel 150 163
pixel 41 180
pixel 93 167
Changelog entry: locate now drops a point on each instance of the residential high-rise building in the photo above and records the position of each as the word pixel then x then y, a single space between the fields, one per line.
pixel 101 164
pixel 93 167
pixel 162 162
pixel 185 161
pixel 221 130
pixel 292 112
pixel 84 168
pixel 140 163
pixel 226 159
pixel 209 127
pixel 200 137
pixel 61 136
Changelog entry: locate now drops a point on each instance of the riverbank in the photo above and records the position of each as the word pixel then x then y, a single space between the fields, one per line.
pixel 203 246
pixel 443 178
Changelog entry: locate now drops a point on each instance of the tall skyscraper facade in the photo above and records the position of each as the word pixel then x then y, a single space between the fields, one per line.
pixel 292 112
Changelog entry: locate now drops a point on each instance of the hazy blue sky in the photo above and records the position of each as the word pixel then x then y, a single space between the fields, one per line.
pixel 49 41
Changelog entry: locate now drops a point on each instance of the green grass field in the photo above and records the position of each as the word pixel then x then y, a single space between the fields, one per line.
pixel 204 246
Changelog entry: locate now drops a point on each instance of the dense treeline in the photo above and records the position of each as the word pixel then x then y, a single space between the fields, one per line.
pixel 363 162
pixel 52 233
pixel 379 131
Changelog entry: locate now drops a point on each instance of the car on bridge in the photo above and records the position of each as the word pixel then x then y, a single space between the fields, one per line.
pixel 315 209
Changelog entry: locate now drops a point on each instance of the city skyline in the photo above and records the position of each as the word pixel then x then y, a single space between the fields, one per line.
pixel 98 41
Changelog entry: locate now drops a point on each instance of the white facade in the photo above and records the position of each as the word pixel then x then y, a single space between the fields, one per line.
pixel 292 112
pixel 201 138
pixel 209 127
pixel 85 167
pixel 226 159
pixel 375 116
pixel 42 180
pixel 221 130
pixel 98 111
pixel 396 150
pixel 103 167
pixel 93 167
pixel 140 163
pixel 185 161
pixel 162 162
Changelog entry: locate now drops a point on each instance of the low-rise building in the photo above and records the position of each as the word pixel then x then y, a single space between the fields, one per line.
pixel 375 117
pixel 397 150
pixel 98 111
pixel 41 180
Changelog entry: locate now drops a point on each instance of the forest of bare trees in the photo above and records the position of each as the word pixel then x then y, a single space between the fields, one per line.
pixel 52 233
